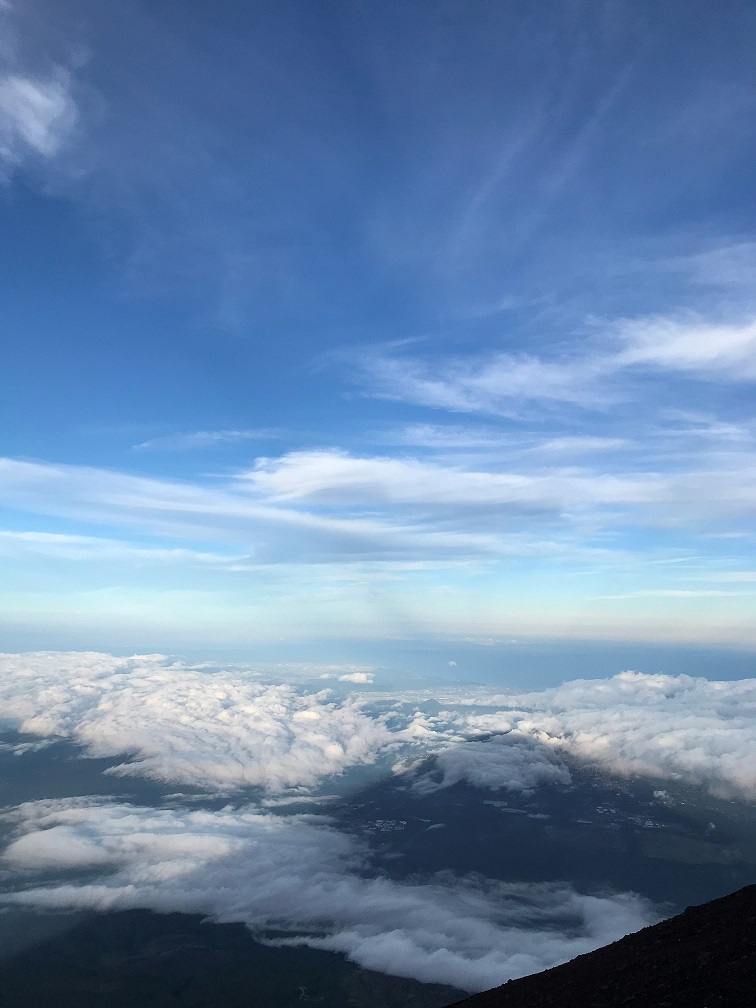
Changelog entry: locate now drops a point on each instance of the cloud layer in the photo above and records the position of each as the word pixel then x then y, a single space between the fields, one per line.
pixel 297 876
pixel 680 727
pixel 295 879
pixel 187 724
pixel 225 729
pixel 507 762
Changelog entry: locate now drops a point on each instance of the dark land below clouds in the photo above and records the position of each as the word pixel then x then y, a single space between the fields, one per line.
pixel 140 959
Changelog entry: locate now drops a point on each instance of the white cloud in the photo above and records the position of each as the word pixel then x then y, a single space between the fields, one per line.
pixel 295 874
pixel 206 439
pixel 671 727
pixel 59 848
pixel 356 677
pixel 502 384
pixel 703 349
pixel 224 729
pixel 327 507
pixel 454 437
pixel 37 115
pixel 338 478
pixel 444 436
pixel 272 533
pixel 185 724
pixel 494 384
pixel 568 446
pixel 507 762
pixel 726 266
pixel 64 546
pixel 691 424
pixel 726 489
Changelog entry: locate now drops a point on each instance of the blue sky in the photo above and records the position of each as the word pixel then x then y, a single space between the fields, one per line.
pixel 348 320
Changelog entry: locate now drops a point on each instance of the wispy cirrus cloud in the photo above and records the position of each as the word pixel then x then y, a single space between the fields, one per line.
pixel 329 505
pixel 387 541
pixel 570 446
pixel 68 547
pixel 495 384
pixel 206 439
pixel 445 437
pixel 271 531
pixel 334 477
pixel 705 350
pixel 596 378
pixel 36 117
pixel 38 109
pixel 692 424
pixel 459 438
pixel 728 265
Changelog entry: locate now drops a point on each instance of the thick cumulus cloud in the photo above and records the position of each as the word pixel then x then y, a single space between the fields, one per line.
pixel 508 762
pixel 187 724
pixel 691 729
pixel 224 729
pixel 296 875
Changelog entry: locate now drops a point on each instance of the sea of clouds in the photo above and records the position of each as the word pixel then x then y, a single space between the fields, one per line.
pixel 188 724
pixel 259 742
pixel 225 729
pixel 301 878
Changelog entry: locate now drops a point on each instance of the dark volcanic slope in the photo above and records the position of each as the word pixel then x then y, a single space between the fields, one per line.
pixel 702 958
